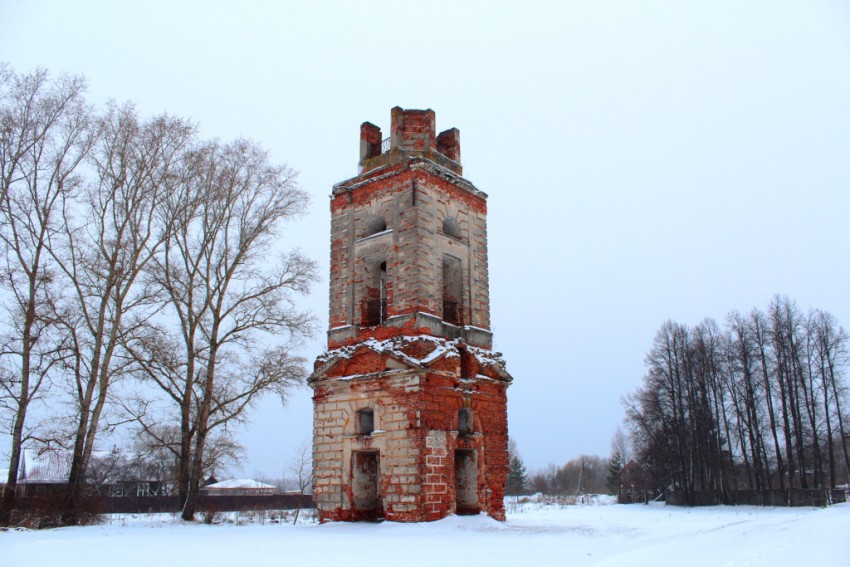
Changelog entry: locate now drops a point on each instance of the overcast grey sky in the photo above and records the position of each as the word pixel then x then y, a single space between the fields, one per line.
pixel 644 160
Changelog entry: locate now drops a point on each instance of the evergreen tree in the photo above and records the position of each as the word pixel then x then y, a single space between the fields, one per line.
pixel 615 468
pixel 617 460
pixel 517 477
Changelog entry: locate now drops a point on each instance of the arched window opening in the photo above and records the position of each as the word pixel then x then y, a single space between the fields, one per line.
pixel 375 295
pixel 374 225
pixel 452 291
pixel 451 227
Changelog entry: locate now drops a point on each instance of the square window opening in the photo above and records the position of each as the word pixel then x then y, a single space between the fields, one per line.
pixel 365 421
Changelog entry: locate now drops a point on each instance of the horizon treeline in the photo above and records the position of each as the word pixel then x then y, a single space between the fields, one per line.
pixel 758 404
pixel 586 474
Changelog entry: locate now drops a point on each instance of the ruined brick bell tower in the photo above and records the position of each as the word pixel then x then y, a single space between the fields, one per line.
pixel 410 409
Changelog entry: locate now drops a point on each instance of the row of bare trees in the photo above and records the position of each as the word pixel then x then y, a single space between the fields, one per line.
pixel 759 404
pixel 142 279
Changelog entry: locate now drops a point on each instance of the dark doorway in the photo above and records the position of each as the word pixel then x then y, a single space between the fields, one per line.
pixel 466 482
pixel 365 486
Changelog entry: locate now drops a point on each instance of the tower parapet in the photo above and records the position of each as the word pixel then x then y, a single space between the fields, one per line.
pixel 411 134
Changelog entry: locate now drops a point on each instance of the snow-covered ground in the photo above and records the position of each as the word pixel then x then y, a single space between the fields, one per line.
pixel 534 535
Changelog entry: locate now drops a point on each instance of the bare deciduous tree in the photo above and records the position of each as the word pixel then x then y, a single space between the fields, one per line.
pixel 755 406
pixel 831 360
pixel 44 136
pixel 158 447
pixel 130 249
pixel 110 237
pixel 586 474
pixel 301 469
pixel 227 298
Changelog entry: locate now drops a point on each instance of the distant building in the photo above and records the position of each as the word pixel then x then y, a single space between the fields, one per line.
pixel 239 487
pixel 633 478
pixel 42 473
pixel 112 473
pixel 410 406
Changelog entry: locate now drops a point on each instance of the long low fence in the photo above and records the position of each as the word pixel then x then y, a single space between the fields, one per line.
pixel 638 496
pixel 205 503
pixel 795 497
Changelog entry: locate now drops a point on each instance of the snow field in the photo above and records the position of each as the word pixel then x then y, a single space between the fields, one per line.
pixel 534 535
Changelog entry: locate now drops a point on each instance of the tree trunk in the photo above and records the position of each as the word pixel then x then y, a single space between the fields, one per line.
pixel 7 504
pixel 202 430
pixel 768 395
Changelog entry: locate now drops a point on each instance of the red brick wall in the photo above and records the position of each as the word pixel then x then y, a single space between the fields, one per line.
pixel 444 397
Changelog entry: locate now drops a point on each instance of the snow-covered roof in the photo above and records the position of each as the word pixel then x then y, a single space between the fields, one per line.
pixel 414 352
pixel 242 483
pixel 395 348
pixel 49 466
pixel 54 466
